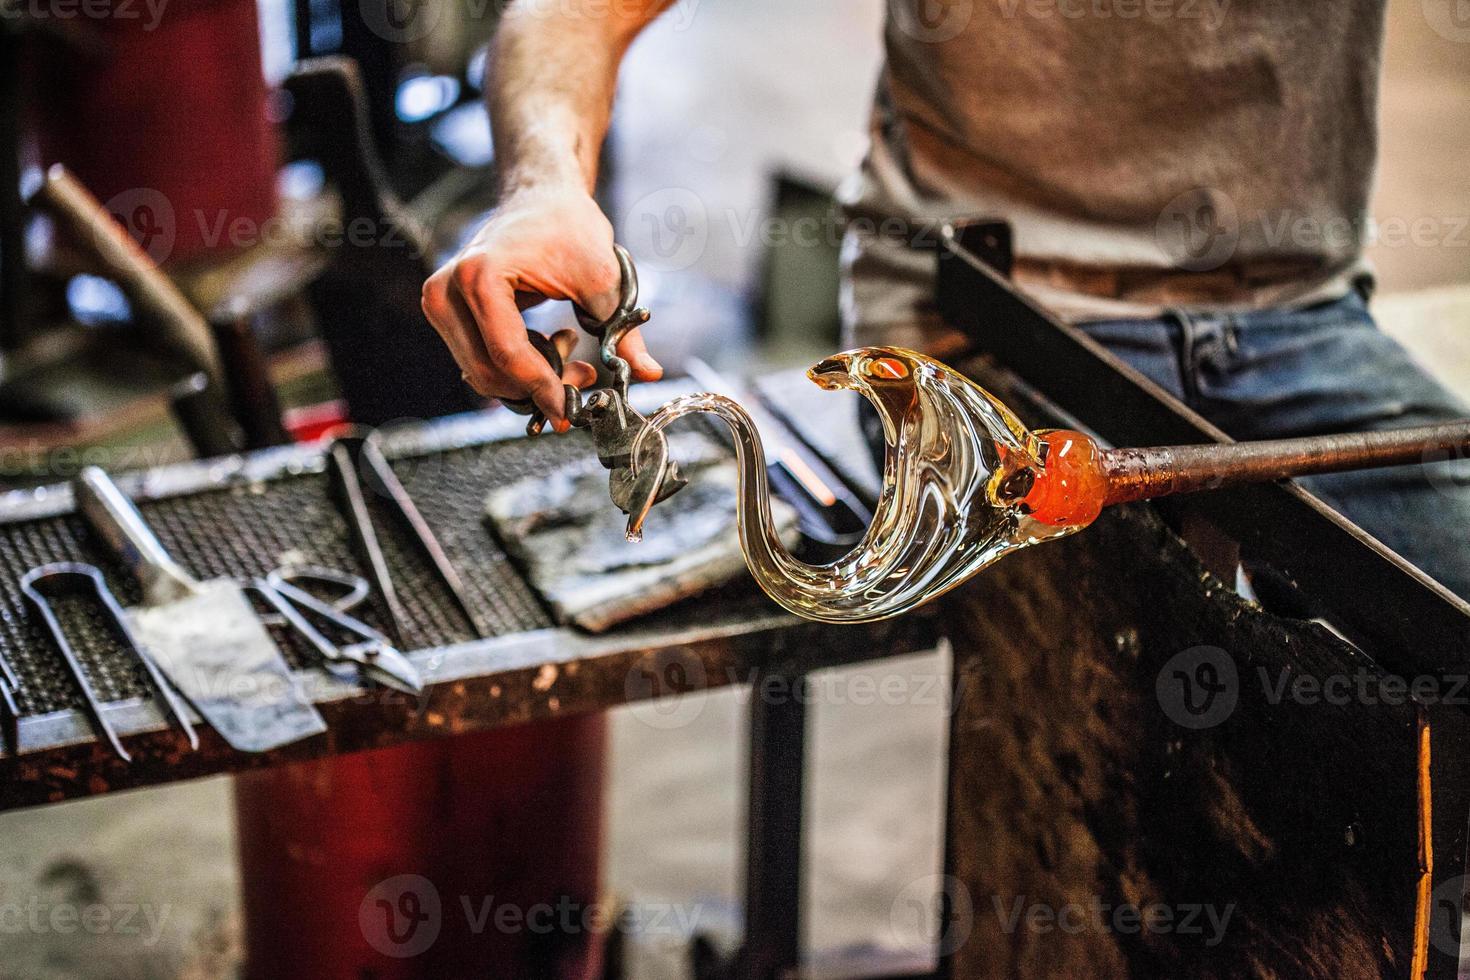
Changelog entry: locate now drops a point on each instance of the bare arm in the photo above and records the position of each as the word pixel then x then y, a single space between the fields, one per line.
pixel 550 88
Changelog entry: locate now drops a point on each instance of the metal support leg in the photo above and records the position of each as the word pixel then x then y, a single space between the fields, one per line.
pixel 12 210
pixel 773 857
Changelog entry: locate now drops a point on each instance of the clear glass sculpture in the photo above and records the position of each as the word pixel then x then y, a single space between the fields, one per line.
pixel 958 469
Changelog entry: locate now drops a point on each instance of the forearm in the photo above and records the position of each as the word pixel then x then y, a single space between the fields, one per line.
pixel 551 85
pixel 549 90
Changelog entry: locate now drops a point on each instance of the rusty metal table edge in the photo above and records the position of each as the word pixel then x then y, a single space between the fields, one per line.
pixel 470 687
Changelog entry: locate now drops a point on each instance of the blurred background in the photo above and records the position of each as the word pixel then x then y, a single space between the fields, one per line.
pixel 733 125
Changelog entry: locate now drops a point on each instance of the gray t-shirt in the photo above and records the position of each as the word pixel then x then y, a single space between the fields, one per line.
pixel 1149 154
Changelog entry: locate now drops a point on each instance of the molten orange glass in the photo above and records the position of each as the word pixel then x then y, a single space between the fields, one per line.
pixel 1072 485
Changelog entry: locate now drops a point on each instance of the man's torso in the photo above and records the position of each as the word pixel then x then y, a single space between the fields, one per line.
pixel 1149 153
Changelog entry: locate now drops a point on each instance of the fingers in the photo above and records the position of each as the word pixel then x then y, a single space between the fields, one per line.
pixel 565 341
pixel 475 304
pixel 604 301
pixel 579 374
pixel 605 278
pixel 632 349
pixel 448 315
pixel 510 358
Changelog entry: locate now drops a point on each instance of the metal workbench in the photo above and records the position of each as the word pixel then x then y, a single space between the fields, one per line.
pixel 243 515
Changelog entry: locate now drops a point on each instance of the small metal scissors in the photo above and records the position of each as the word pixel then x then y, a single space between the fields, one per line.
pixel 369 656
pixel 614 422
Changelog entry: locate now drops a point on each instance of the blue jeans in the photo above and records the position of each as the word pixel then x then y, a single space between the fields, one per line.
pixel 1281 373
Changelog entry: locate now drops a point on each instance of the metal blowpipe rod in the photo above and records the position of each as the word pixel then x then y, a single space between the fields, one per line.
pixel 1142 474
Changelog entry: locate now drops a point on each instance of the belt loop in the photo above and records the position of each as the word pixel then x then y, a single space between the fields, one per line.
pixel 1232 336
pixel 1185 344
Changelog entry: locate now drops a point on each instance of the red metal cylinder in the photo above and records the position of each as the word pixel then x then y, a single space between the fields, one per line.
pixel 468 857
pixel 165 121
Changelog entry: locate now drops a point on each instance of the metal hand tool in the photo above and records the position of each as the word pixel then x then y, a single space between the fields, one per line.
pixel 40 584
pixel 370 656
pixel 614 422
pixel 1160 471
pixel 352 590
pixel 358 460
pixel 9 688
pixel 346 482
pixel 205 636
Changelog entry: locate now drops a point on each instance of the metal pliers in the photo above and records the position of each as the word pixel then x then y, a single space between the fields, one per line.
pixel 613 421
pixel 369 656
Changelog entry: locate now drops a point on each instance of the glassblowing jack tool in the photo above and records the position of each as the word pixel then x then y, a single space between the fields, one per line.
pixel 615 424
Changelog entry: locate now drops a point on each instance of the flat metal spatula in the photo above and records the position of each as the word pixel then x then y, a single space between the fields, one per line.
pixel 204 636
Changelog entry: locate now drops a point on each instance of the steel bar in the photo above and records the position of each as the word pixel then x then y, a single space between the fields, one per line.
pixel 1146 473
pixel 1412 625
pixel 84 217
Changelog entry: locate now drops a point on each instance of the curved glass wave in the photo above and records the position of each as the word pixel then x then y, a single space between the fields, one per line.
pixel 958 467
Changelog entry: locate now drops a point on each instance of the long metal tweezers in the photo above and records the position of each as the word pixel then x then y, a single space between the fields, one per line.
pixel 356 463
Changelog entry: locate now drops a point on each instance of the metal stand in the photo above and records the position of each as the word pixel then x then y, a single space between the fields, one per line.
pixel 773 856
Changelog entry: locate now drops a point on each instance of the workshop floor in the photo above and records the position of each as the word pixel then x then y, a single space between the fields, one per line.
pixel 714 99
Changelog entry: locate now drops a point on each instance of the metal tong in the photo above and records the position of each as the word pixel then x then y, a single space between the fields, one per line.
pixel 9 688
pixel 70 577
pixel 614 422
pixel 357 459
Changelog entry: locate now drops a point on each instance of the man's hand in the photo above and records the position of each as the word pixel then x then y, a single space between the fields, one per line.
pixel 539 244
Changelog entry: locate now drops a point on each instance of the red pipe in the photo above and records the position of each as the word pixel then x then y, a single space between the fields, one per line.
pixel 468 857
